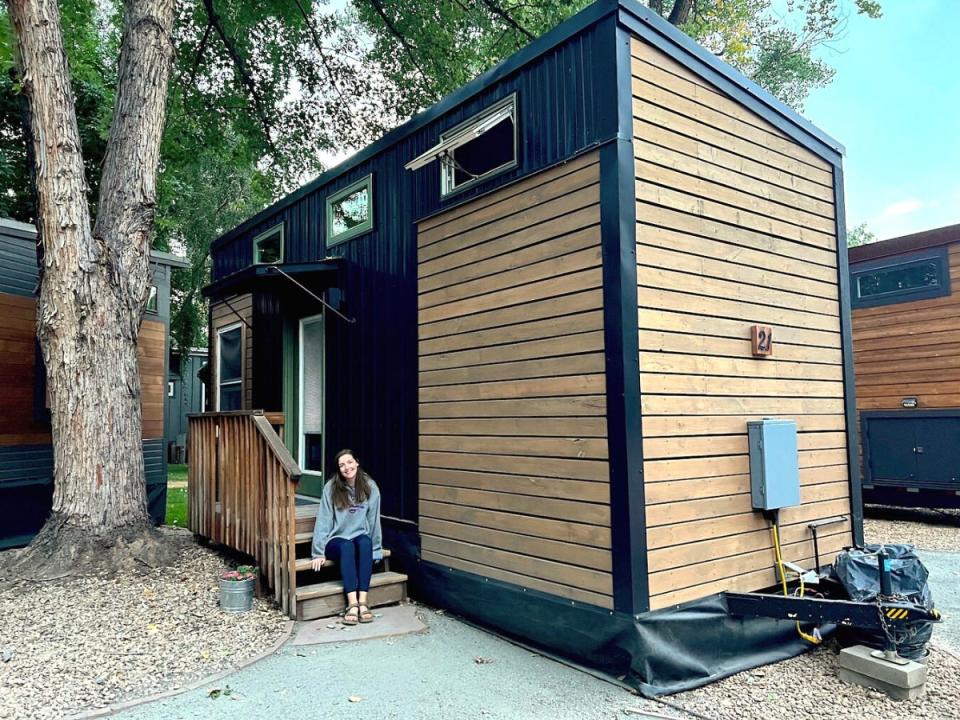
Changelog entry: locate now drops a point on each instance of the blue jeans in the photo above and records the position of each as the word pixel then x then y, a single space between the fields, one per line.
pixel 355 558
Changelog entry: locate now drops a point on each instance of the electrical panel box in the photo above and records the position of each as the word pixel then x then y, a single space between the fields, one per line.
pixel 774 465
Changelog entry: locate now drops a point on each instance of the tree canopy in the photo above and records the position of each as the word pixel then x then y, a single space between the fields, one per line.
pixel 260 93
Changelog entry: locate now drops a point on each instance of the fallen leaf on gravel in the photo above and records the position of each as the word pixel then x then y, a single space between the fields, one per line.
pixel 480 660
pixel 152 628
pixel 355 698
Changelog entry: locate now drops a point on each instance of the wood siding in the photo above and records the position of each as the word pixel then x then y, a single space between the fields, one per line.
pixel 18 357
pixel 735 227
pixel 152 350
pixel 910 349
pixel 513 472
pixel 240 310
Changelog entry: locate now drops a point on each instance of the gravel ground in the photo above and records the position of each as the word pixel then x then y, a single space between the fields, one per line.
pixel 89 642
pixel 926 529
pixel 807 686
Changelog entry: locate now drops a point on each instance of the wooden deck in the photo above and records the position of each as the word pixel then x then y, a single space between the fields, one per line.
pixel 242 494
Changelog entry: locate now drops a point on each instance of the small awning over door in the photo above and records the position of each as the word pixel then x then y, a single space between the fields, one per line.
pixel 317 276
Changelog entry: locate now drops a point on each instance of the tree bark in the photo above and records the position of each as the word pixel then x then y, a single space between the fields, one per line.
pixel 94 282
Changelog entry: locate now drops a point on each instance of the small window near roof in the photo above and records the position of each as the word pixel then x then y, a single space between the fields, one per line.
pixel 484 145
pixel 268 246
pixel 350 211
pixel 917 276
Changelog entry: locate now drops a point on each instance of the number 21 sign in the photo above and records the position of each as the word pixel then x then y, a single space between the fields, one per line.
pixel 762 337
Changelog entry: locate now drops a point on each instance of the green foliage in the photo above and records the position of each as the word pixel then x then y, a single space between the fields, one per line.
pixel 176 507
pixel 860 235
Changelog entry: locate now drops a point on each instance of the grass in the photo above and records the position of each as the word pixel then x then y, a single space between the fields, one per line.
pixel 176 496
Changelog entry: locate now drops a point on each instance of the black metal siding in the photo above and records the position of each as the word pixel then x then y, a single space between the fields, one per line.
pixel 371 366
pixel 26 488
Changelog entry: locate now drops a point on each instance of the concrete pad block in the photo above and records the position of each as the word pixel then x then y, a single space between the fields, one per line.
pixel 896 693
pixel 859 659
pixel 392 621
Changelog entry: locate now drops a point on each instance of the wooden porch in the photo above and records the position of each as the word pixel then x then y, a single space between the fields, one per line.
pixel 242 494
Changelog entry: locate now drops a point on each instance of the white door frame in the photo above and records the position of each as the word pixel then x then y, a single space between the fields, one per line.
pixel 301 384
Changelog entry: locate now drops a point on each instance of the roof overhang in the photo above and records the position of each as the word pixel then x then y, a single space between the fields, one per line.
pixel 257 278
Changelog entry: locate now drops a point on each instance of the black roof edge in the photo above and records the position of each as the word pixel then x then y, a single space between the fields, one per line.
pixel 827 147
pixel 584 19
pixel 935 237
pixel 790 121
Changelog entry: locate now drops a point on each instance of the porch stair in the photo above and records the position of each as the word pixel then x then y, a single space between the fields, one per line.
pixel 325 598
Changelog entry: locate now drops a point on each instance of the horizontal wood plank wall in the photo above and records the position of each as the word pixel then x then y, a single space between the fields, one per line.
pixel 19 382
pixel 513 472
pixel 18 332
pixel 735 227
pixel 910 349
pixel 221 315
pixel 153 384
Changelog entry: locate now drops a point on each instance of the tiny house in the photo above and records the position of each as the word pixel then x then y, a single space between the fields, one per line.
pixel 906 340
pixel 551 303
pixel 186 394
pixel 26 455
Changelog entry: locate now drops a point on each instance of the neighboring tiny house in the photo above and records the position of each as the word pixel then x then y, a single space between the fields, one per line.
pixel 906 334
pixel 26 456
pixel 186 394
pixel 546 288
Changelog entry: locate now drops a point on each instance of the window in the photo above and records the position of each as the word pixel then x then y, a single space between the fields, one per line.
pixel 171 391
pixel 311 394
pixel 230 368
pixel 268 246
pixel 350 211
pixel 152 300
pixel 917 276
pixel 477 149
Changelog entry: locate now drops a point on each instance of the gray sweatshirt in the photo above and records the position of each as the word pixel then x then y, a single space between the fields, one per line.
pixel 363 519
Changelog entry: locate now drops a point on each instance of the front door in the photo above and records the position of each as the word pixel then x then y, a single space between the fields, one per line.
pixel 311 380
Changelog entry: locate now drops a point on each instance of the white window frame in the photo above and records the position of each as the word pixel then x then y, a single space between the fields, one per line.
pixel 301 443
pixel 220 331
pixel 332 200
pixel 265 234
pixel 464 133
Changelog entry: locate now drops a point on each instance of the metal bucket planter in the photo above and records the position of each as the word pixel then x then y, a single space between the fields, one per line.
pixel 236 596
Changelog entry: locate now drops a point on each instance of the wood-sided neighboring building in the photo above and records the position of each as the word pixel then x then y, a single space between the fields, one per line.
pixel 26 455
pixel 549 281
pixel 906 340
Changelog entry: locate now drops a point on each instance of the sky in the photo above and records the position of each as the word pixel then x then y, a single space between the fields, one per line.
pixel 894 103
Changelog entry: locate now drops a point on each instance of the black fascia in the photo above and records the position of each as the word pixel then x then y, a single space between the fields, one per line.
pixel 621 345
pixel 682 48
pixel 849 384
pixel 560 34
pixel 259 277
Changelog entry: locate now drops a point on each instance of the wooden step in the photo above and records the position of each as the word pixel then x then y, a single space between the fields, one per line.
pixel 326 599
pixel 304 563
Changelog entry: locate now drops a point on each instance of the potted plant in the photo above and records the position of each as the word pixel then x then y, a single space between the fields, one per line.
pixel 236 589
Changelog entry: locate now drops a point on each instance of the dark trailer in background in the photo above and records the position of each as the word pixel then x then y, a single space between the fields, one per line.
pixel 906 332
pixel 186 393
pixel 547 287
pixel 26 455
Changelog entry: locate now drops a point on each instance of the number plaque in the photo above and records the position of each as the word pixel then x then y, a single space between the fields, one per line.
pixel 762 337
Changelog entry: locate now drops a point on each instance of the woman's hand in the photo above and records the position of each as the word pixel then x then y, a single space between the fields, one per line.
pixel 317 563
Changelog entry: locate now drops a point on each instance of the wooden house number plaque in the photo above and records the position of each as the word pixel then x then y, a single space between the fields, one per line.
pixel 762 337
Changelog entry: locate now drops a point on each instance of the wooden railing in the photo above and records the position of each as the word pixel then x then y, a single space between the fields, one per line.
pixel 241 489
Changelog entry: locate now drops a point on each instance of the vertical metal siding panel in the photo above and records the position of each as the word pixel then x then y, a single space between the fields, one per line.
pixel 371 367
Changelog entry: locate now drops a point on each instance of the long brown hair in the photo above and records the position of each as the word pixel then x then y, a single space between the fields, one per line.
pixel 341 490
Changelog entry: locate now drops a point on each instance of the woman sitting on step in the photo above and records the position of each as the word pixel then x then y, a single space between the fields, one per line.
pixel 348 532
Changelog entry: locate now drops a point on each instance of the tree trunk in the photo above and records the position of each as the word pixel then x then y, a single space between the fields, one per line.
pixel 94 283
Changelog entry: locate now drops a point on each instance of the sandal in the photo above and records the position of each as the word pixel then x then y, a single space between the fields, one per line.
pixel 365 616
pixel 351 618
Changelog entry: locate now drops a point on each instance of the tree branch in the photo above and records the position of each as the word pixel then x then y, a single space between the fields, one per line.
pixel 681 12
pixel 378 6
pixel 200 49
pixel 323 56
pixel 497 10
pixel 245 77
